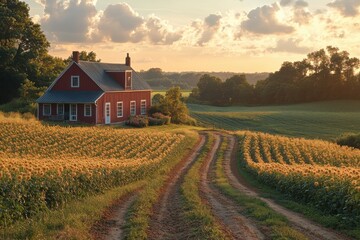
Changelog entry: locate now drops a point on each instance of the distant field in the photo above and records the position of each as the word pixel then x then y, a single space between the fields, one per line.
pixel 185 93
pixel 325 120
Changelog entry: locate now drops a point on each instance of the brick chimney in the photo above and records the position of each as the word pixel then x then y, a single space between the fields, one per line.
pixel 76 56
pixel 128 60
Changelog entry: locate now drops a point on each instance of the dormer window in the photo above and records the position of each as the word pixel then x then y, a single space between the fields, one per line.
pixel 128 82
pixel 75 81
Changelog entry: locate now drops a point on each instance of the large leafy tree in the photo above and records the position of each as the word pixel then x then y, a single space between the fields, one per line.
pixel 22 46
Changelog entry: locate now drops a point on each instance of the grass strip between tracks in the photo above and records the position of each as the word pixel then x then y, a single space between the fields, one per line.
pixel 198 214
pixel 253 207
pixel 139 215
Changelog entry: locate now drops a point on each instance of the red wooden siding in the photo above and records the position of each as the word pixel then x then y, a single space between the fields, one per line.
pixel 86 83
pixel 124 97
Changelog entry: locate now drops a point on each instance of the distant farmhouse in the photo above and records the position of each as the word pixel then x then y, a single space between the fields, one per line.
pixel 95 93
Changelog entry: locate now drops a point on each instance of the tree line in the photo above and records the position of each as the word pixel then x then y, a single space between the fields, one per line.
pixel 327 74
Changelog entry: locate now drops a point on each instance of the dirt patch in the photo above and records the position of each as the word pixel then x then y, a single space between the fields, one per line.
pixel 225 211
pixel 298 221
pixel 110 226
pixel 167 221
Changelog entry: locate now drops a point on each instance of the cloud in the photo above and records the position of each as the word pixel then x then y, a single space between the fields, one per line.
pixel 67 21
pixel 263 20
pixel 290 46
pixel 301 4
pixel 285 3
pixel 159 32
pixel 210 27
pixel 120 23
pixel 348 8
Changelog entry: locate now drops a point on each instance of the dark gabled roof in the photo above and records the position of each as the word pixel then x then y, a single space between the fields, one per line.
pixel 69 97
pixel 97 72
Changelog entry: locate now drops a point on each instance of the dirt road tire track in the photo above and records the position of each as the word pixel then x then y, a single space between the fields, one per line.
pixel 167 221
pixel 225 210
pixel 110 227
pixel 308 228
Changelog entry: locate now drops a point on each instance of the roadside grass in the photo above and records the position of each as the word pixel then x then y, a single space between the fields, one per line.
pixel 202 224
pixel 139 215
pixel 324 120
pixel 253 207
pixel 73 221
pixel 310 212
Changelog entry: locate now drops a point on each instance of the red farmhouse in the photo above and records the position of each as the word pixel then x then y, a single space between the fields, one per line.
pixel 95 93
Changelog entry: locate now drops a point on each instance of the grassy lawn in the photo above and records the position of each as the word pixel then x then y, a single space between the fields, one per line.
pixel 325 120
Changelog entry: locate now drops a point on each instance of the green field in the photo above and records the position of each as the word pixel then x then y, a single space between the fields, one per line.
pixel 325 120
pixel 185 93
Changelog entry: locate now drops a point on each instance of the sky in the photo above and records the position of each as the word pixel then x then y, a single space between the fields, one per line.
pixel 203 35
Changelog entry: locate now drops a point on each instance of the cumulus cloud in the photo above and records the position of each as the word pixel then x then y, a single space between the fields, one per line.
pixel 120 23
pixel 285 3
pixel 290 46
pixel 210 26
pixel 348 8
pixel 67 21
pixel 263 20
pixel 159 32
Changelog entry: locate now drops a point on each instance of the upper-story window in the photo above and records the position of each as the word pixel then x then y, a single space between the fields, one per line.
pixel 128 82
pixel 75 81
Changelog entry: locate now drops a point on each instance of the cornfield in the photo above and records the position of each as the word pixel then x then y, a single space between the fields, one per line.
pixel 44 167
pixel 314 172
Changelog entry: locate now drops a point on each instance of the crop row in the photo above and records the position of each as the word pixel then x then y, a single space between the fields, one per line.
pixel 280 162
pixel 44 167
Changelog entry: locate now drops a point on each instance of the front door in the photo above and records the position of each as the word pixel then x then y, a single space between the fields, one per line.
pixel 107 113
pixel 73 112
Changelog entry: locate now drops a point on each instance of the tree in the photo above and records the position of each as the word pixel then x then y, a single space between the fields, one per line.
pixel 85 56
pixel 172 106
pixel 210 88
pixel 22 44
pixel 238 90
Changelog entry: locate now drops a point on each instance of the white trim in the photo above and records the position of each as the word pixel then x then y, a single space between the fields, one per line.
pixel 38 111
pixel 72 83
pixel 96 114
pixel 141 109
pixel 57 108
pixel 122 109
pixel 134 108
pixel 44 109
pixel 85 110
pixel 70 115
pixel 107 104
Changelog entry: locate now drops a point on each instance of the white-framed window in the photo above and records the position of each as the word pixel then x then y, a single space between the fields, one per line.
pixel 132 108
pixel 119 109
pixel 143 107
pixel 46 109
pixel 87 110
pixel 60 109
pixel 128 82
pixel 75 81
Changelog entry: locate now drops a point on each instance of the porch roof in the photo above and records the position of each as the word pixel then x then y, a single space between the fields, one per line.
pixel 69 97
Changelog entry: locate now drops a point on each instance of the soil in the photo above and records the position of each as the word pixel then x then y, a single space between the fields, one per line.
pixel 167 221
pixel 225 211
pixel 110 226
